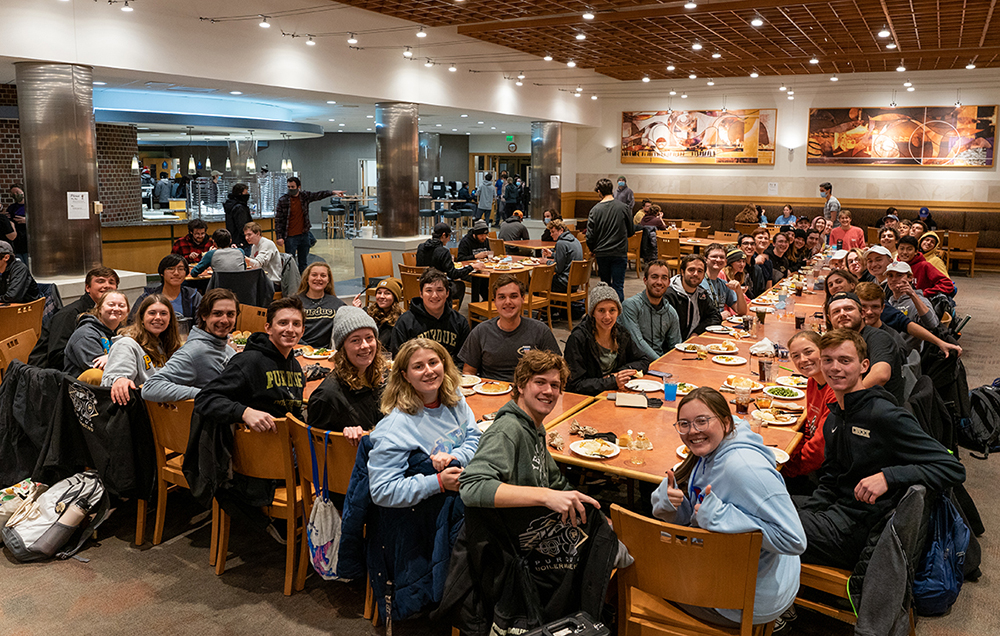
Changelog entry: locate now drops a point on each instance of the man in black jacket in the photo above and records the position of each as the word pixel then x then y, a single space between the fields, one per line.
pixel 690 300
pixel 475 245
pixel 238 215
pixel 16 283
pixel 48 351
pixel 434 253
pixel 431 316
pixel 609 227
pixel 875 450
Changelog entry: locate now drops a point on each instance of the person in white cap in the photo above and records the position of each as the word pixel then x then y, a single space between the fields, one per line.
pixel 838 260
pixel 877 259
pixel 905 298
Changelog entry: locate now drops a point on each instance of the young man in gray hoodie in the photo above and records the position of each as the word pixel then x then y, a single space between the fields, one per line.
pixel 652 323
pixel 202 357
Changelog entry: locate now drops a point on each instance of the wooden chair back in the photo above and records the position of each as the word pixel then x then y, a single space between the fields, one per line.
pixel 410 258
pixel 412 269
pixel 688 565
pixel 17 317
pixel 745 228
pixel 17 347
pixel 961 241
pixel 264 455
pixel 668 248
pixel 497 247
pixel 579 274
pixel 539 289
pixel 674 222
pixel 171 424
pixel 377 265
pixel 250 318
pixel 702 232
pixel 872 235
pixel 492 234
pixel 411 286
pixel 339 454
pixel 725 237
pixel 690 225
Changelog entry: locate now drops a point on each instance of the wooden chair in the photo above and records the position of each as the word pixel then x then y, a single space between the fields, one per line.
pixel 539 290
pixel 635 252
pixel 377 265
pixel 684 565
pixel 690 225
pixel 962 247
pixel 674 222
pixel 872 235
pixel 16 348
pixel 702 232
pixel 485 309
pixel 492 234
pixel 497 247
pixel 16 318
pixel 411 286
pixel 746 228
pixel 725 237
pixel 579 278
pixel 412 269
pixel 250 318
pixel 669 251
pixel 410 258
pixel 171 424
pixel 266 456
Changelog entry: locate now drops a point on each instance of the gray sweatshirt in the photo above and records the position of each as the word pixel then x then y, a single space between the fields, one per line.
pixel 127 360
pixel 200 360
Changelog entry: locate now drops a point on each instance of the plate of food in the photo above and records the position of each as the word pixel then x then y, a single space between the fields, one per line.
pixel 467 391
pixel 723 347
pixel 787 406
pixel 648 386
pixel 469 380
pixel 240 338
pixel 784 392
pixel 794 381
pixel 686 347
pixel 492 387
pixel 595 449
pixel 760 300
pixel 737 382
pixel 319 354
pixel 730 361
pixel 780 456
pixel 766 308
pixel 718 329
pixel 774 416
pixel 736 320
pixel 683 388
pixel 683 451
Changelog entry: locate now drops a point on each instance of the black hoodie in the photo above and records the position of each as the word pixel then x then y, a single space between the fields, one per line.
pixel 237 215
pixel 872 434
pixel 583 359
pixel 434 253
pixel 451 329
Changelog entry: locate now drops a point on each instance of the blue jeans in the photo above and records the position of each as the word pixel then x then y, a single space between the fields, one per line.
pixel 299 246
pixel 612 271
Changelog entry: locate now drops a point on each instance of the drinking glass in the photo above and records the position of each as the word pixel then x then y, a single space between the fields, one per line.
pixel 742 400
pixel 669 391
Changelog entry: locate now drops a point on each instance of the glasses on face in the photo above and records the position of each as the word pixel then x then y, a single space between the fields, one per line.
pixel 698 424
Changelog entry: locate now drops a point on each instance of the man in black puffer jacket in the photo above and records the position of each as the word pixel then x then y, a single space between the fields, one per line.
pixel 434 253
pixel 690 300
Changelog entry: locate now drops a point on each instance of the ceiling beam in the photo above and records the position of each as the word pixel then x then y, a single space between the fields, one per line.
pixel 633 14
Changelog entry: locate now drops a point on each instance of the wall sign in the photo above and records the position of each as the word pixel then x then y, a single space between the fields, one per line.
pixel 945 136
pixel 699 136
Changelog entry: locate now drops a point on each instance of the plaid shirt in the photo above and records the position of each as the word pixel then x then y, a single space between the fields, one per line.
pixel 282 208
pixel 191 251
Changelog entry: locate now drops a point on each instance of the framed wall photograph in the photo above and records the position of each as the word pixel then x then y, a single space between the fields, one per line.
pixel 945 136
pixel 703 137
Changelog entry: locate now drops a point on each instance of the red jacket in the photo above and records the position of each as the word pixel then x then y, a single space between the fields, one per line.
pixel 808 456
pixel 928 278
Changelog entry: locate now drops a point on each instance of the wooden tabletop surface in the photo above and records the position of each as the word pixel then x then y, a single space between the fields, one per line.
pixel 535 245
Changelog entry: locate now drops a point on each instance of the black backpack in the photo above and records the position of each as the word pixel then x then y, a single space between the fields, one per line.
pixel 980 432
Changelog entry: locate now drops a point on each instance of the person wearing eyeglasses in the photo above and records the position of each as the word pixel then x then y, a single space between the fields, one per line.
pixel 733 486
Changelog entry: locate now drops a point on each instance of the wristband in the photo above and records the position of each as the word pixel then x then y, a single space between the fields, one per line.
pixel 440 483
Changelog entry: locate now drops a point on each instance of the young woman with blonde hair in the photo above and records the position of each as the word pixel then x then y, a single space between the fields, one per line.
pixel 142 348
pixel 320 303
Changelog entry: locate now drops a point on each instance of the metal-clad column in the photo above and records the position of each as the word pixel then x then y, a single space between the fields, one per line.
pixel 430 158
pixel 59 148
pixel 546 161
pixel 396 146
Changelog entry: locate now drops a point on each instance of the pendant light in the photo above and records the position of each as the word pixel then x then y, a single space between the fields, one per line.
pixel 192 168
pixel 229 165
pixel 251 162
pixel 208 157
pixel 135 164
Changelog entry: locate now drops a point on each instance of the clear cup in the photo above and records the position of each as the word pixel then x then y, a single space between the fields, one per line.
pixel 743 400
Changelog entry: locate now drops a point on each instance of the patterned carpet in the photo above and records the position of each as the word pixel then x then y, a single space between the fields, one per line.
pixel 170 589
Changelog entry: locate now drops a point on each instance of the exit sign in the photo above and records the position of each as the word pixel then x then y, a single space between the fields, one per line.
pixel 510 137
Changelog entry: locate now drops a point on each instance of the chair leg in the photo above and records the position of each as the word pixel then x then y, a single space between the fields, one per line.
pixel 161 512
pixel 220 559
pixel 548 314
pixel 213 548
pixel 370 612
pixel 140 522
pixel 292 534
pixel 303 571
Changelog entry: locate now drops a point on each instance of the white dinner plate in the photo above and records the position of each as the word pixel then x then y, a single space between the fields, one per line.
pixel 683 388
pixel 718 329
pixel 723 347
pixel 686 347
pixel 729 361
pixel 771 391
pixel 793 381
pixel 479 388
pixel 469 381
pixel 780 456
pixel 578 449
pixel 641 384
pixel 313 356
pixel 682 451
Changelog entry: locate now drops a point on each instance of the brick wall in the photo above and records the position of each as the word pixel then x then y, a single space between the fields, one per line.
pixel 117 186
pixel 8 95
pixel 11 171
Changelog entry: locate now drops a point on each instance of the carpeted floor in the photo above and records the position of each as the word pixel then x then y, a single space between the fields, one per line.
pixel 171 589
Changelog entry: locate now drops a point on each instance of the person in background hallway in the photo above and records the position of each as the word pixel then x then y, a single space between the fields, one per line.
pixel 609 227
pixel 195 244
pixel 485 195
pixel 237 211
pixel 17 233
pixel 510 197
pixel 832 206
pixel 473 246
pixel 161 192
pixel 291 220
pixel 624 194
pixel 213 187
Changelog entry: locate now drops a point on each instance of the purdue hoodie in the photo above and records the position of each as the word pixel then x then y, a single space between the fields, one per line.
pixel 747 495
pixel 450 330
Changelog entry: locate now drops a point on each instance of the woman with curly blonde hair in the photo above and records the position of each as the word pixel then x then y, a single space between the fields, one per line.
pixel 425 413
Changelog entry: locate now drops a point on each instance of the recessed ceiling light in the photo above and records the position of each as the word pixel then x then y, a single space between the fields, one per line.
pixel 468 133
pixel 407 52
pixel 581 36
pixel 330 101
pixel 331 120
pixel 754 74
pixel 716 55
pixel 670 67
pixel 890 45
pixel 421 33
pixel 370 116
pixel 100 83
pixel 311 41
pixel 428 64
pixel 504 132
pixel 264 23
pixel 547 58
pixel 970 66
pixel 588 16
pixel 141 128
pixel 782 88
pixel 593 97
pixel 696 46
pixel 438 125
pixel 691 5
pixel 452 68
pixel 814 60
pixel 454 130
pixel 340 130
pixel 684 96
pixel 341 124
pixel 646 78
pixel 368 129
pixel 464 115
pixel 480 122
pixel 673 92
pixel 900 68
pixel 235 92
pixel 352 39
pixel 692 76
pixel 493 127
pixel 571 64
pixel 757 21
pixel 834 78
pixel 907 83
pixel 884 33
pixel 711 82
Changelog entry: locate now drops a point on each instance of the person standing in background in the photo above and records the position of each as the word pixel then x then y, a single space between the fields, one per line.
pixel 609 226
pixel 484 198
pixel 510 196
pixel 161 192
pixel 291 220
pixel 625 194
pixel 238 215
pixel 17 213
pixel 832 206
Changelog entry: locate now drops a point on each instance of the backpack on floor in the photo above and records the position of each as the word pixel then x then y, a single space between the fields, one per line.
pixel 981 431
pixel 63 516
pixel 940 575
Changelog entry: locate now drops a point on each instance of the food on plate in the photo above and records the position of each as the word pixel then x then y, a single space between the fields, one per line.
pixel 787 406
pixel 723 347
pixel 240 337
pixel 322 351
pixel 686 347
pixel 794 381
pixel 774 416
pixel 683 451
pixel 467 392
pixel 638 375
pixel 729 359
pixel 738 382
pixel 683 388
pixel 470 381
pixel 625 440
pixel 785 392
pixel 597 448
pixel 493 387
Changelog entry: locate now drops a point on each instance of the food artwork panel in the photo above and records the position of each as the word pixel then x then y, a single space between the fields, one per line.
pixel 948 136
pixel 699 136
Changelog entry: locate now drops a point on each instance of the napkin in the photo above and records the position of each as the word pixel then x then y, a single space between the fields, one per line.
pixel 763 348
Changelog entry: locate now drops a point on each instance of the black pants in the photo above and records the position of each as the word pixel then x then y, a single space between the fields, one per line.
pixel 836 535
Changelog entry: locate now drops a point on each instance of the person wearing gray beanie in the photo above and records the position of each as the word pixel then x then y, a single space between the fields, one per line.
pixel 347 321
pixel 600 353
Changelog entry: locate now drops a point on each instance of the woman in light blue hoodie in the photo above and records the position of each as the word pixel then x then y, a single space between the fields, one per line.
pixel 424 412
pixel 734 487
